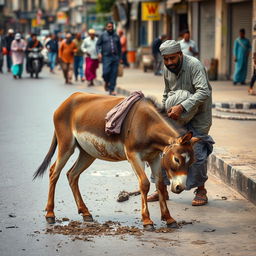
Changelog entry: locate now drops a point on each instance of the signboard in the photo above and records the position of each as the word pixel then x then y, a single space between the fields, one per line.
pixel 34 23
pixel 62 18
pixel 150 11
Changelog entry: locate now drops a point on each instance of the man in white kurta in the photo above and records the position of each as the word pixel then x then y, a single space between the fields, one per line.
pixel 18 48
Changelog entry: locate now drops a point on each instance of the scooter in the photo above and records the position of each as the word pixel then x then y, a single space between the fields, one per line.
pixel 36 62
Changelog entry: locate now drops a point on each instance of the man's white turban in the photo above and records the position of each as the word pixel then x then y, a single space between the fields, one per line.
pixel 169 47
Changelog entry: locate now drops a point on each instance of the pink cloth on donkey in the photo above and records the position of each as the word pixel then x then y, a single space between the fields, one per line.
pixel 116 115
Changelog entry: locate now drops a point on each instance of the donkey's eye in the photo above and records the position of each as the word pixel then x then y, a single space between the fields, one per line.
pixel 176 160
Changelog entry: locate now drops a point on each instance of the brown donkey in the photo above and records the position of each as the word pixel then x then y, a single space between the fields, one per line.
pixel 145 137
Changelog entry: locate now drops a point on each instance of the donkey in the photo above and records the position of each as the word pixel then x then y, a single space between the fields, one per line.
pixel 145 137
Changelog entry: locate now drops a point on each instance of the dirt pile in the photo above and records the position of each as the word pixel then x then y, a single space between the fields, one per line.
pixel 86 231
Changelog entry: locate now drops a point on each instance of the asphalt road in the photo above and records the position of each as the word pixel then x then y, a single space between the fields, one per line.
pixel 226 226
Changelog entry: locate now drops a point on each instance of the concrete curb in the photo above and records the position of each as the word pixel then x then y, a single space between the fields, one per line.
pixel 239 176
pixel 230 105
pixel 234 105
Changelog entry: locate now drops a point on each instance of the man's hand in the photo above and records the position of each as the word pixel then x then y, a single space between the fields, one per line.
pixel 175 112
pixel 100 57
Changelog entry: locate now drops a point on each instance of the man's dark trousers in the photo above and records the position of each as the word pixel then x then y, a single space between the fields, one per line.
pixel 110 68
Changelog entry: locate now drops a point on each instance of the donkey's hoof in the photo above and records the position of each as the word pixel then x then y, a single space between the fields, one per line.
pixel 172 225
pixel 50 220
pixel 88 218
pixel 149 227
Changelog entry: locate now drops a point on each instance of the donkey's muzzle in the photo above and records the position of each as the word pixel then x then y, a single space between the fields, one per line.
pixel 178 184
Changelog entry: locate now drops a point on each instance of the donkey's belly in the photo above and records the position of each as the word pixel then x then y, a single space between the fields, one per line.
pixel 100 148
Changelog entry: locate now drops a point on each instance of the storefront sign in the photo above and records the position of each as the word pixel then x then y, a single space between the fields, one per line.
pixel 150 11
pixel 62 18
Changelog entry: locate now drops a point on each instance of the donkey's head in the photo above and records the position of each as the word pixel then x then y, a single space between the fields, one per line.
pixel 176 159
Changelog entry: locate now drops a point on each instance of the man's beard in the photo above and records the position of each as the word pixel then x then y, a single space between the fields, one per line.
pixel 68 41
pixel 111 32
pixel 175 68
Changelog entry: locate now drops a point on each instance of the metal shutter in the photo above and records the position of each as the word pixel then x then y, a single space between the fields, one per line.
pixel 241 17
pixel 207 32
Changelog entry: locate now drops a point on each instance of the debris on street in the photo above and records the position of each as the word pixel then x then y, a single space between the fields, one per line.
pixel 124 195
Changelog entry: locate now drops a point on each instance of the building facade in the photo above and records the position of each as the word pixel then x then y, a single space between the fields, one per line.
pixel 214 25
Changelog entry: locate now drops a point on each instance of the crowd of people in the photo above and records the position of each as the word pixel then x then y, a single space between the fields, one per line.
pixel 72 52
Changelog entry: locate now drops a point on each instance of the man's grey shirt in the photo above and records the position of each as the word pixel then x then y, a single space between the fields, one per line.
pixel 193 78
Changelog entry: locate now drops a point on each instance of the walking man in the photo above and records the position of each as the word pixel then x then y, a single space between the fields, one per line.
pixel 91 59
pixel 158 60
pixel 188 93
pixel 2 50
pixel 52 47
pixel 66 54
pixel 18 48
pixel 188 46
pixel 123 41
pixel 8 41
pixel 241 52
pixel 109 52
pixel 78 58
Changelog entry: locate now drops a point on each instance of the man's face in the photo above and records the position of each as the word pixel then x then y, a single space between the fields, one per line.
pixel 242 34
pixel 34 38
pixel 110 27
pixel 172 61
pixel 92 35
pixel 78 36
pixel 186 36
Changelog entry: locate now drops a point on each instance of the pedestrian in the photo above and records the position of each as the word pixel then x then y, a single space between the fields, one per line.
pixel 253 79
pixel 241 52
pixel 91 59
pixel 66 54
pixel 123 41
pixel 109 52
pixel 158 60
pixel 2 50
pixel 8 41
pixel 188 46
pixel 79 58
pixel 53 47
pixel 18 48
pixel 188 92
pixel 32 44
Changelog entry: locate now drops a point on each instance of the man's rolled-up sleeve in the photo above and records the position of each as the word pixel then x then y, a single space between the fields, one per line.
pixel 202 90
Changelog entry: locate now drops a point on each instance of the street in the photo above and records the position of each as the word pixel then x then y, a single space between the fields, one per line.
pixel 226 226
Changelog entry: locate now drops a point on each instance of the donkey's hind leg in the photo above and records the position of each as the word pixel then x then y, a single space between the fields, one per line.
pixel 63 156
pixel 83 162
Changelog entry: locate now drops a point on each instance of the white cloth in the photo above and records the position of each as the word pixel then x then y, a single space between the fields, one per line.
pixel 176 98
pixel 89 46
pixel 186 45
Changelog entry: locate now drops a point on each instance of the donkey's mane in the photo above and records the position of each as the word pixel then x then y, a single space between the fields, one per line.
pixel 161 110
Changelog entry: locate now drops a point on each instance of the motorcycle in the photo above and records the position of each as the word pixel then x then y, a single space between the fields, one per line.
pixel 36 62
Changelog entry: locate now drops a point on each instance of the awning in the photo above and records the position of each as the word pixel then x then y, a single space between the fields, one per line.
pixel 170 3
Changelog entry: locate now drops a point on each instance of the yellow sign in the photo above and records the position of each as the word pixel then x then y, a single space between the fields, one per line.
pixel 62 18
pixel 150 11
pixel 34 23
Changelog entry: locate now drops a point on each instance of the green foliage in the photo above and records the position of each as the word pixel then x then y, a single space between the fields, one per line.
pixel 104 6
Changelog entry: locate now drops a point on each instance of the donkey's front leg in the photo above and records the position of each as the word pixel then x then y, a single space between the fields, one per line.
pixel 165 214
pixel 155 165
pixel 138 166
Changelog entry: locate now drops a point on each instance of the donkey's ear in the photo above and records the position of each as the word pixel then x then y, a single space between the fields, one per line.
pixel 194 140
pixel 185 138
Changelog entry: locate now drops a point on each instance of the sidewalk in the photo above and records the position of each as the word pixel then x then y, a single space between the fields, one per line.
pixel 234 157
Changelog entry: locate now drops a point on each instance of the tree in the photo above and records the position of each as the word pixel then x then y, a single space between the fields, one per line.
pixel 104 6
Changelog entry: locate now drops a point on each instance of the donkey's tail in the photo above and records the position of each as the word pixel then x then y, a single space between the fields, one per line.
pixel 44 165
